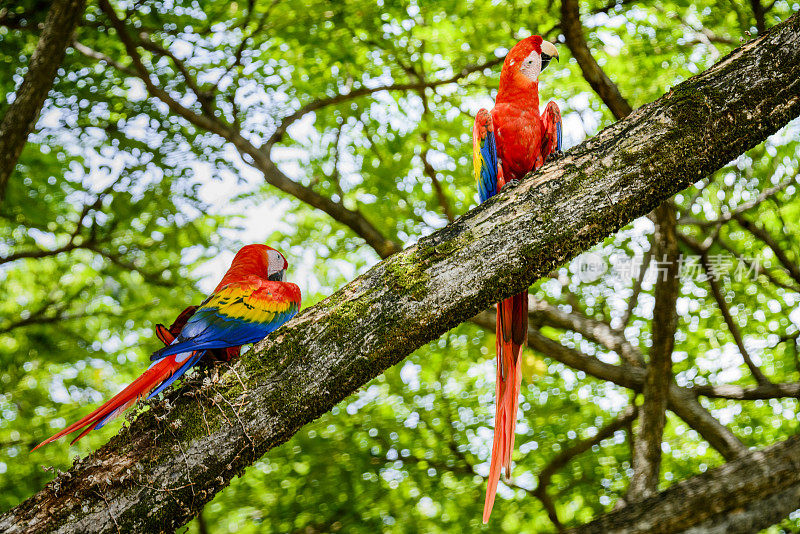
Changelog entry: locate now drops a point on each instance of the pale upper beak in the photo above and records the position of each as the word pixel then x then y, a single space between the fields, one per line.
pixel 548 52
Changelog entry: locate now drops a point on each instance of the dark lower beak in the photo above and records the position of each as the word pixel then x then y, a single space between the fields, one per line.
pixel 277 277
pixel 546 60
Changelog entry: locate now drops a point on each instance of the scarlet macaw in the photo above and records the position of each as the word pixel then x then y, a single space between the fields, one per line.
pixel 508 143
pixel 251 301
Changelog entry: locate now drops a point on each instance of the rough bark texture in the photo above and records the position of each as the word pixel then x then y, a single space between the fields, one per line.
pixel 755 516
pixel 21 115
pixel 759 488
pixel 158 473
pixel 647 446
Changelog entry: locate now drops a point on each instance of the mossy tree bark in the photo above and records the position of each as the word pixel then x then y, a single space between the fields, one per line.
pixel 159 472
pixel 746 495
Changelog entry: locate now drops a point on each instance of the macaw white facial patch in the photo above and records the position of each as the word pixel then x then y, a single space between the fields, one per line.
pixel 276 262
pixel 532 66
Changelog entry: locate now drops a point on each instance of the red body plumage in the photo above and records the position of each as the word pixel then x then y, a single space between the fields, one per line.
pixel 521 139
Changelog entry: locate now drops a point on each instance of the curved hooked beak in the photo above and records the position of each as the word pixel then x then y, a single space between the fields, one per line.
pixel 548 52
pixel 277 277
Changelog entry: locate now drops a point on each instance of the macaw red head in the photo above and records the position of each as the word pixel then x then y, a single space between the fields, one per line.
pixel 527 60
pixel 263 261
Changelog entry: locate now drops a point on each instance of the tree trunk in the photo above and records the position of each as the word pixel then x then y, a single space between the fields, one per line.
pixel 647 445
pixel 21 115
pixel 158 473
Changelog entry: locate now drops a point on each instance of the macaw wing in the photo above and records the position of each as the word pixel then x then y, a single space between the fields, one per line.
pixel 556 118
pixel 558 135
pixel 484 155
pixel 237 314
pixel 167 335
pixel 551 119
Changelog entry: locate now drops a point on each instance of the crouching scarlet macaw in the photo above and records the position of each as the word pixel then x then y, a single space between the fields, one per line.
pixel 508 143
pixel 251 301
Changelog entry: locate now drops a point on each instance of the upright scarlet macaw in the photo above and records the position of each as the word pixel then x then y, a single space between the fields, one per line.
pixel 251 301
pixel 508 143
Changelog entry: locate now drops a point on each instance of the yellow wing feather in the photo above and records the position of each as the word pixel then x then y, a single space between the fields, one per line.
pixel 258 306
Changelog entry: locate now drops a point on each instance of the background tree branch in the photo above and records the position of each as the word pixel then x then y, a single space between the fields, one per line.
pixel 259 157
pixel 20 117
pixel 594 74
pixel 647 446
pixel 658 389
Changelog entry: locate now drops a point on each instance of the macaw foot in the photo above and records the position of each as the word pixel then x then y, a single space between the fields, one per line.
pixel 553 156
pixel 510 183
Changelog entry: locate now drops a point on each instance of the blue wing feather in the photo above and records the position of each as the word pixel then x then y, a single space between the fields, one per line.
pixel 489 170
pixel 179 373
pixel 208 329
pixel 484 147
pixel 558 136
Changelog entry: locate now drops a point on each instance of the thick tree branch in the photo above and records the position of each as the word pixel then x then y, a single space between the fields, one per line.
pixel 754 516
pixel 21 115
pixel 331 349
pixel 756 482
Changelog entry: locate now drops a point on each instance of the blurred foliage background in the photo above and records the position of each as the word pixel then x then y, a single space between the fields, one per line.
pixel 299 124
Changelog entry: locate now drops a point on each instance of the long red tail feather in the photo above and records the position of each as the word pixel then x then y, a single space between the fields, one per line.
pixel 137 389
pixel 512 330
